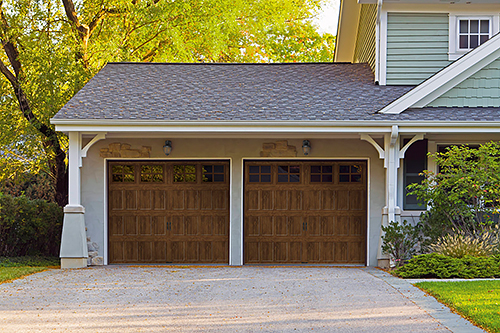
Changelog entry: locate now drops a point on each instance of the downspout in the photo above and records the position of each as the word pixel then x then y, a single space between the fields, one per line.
pixel 379 31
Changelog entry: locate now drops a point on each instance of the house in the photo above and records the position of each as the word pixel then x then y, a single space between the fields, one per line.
pixel 279 163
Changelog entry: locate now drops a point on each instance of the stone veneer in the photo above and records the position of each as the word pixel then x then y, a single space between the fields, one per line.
pixel 278 149
pixel 117 149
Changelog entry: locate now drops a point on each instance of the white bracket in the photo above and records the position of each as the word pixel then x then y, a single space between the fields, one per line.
pixel 416 138
pixel 84 150
pixel 368 138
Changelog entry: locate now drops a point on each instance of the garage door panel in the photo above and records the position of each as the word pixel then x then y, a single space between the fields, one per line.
pixel 314 226
pixel 116 226
pixel 295 200
pixel 328 198
pixel 343 200
pixel 145 226
pixel 130 225
pixel 280 226
pixel 206 226
pixel 169 213
pixel 145 251
pixel 159 225
pixel 131 251
pixel 312 199
pixel 158 200
pixel 295 225
pixel 281 199
pixel 221 225
pixel 116 200
pixel 321 218
pixel 342 226
pixel 357 199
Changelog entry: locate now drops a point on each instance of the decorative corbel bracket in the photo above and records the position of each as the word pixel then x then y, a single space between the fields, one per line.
pixel 368 138
pixel 83 152
pixel 416 138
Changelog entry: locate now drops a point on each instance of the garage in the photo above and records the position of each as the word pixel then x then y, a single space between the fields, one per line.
pixel 168 211
pixel 305 212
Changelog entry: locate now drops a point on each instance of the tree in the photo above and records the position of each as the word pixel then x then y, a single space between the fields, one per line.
pixel 51 48
pixel 466 190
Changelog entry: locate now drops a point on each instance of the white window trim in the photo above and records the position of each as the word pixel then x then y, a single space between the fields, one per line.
pixel 453 51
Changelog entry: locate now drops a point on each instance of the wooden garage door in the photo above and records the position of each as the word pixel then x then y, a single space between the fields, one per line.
pixel 162 212
pixel 305 212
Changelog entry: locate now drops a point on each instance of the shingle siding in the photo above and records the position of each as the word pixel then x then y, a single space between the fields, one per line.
pixel 480 90
pixel 365 42
pixel 417 46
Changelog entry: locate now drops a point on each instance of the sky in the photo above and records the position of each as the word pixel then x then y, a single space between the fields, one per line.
pixel 328 18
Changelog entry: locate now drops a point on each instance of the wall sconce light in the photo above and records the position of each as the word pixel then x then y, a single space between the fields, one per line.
pixel 167 148
pixel 306 147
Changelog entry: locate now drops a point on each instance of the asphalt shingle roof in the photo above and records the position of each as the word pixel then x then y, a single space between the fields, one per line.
pixel 288 92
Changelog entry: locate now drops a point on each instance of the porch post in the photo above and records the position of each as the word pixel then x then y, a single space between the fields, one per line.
pixel 391 212
pixel 74 251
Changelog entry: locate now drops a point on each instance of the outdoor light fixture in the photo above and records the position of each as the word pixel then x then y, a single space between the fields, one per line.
pixel 306 147
pixel 167 148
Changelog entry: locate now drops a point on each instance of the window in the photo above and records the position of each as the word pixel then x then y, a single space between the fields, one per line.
pixel 213 173
pixel 469 32
pixel 415 163
pixel 472 33
pixel 288 174
pixel 321 173
pixel 259 173
pixel 184 173
pixel 350 173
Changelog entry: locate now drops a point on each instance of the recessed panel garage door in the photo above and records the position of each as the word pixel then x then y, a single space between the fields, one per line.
pixel 168 212
pixel 305 212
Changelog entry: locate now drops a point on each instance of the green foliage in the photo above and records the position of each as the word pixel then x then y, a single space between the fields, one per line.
pixel 400 240
pixel 444 267
pixel 459 245
pixel 30 261
pixel 58 53
pixel 33 186
pixel 29 227
pixel 475 300
pixel 433 225
pixel 467 188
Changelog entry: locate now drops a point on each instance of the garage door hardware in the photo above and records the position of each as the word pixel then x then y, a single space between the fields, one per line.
pixel 304 226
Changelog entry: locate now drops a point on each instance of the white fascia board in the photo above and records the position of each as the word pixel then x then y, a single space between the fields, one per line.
pixel 447 78
pixel 134 126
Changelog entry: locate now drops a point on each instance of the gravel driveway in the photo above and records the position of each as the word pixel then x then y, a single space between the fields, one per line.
pixel 208 299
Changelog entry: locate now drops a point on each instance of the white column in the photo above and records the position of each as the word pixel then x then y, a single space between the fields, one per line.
pixel 74 252
pixel 236 213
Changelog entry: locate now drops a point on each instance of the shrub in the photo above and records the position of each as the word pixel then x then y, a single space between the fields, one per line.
pixel 400 240
pixel 29 227
pixel 459 244
pixel 436 265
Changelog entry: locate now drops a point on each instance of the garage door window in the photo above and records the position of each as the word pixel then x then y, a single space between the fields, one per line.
pixel 213 173
pixel 184 173
pixel 321 173
pixel 350 173
pixel 259 174
pixel 123 174
pixel 288 174
pixel 151 173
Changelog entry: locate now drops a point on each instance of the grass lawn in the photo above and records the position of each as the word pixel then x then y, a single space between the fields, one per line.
pixel 478 301
pixel 14 268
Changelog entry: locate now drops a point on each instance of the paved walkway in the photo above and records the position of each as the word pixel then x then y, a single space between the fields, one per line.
pixel 219 299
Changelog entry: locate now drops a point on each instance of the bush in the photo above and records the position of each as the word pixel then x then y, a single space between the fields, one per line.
pixel 443 267
pixel 29 227
pixel 400 240
pixel 459 245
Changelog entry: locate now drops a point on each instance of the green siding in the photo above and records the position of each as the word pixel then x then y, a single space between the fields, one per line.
pixel 417 46
pixel 481 89
pixel 365 41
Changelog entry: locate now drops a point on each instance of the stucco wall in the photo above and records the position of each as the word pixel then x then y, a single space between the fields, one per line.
pixel 94 186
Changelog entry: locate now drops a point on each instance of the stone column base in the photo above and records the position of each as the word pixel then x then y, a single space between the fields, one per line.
pixel 73 263
pixel 384 263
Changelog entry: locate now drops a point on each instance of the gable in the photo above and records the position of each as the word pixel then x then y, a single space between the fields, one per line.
pixel 482 89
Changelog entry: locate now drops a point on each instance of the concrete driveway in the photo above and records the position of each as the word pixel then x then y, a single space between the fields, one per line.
pixel 211 299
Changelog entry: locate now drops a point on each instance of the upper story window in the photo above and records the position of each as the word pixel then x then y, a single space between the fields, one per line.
pixel 469 32
pixel 473 32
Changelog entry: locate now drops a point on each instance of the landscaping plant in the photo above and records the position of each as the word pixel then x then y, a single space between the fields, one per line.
pixel 459 244
pixel 400 240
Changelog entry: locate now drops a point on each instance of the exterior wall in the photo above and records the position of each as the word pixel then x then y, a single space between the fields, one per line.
pixel 481 89
pixel 417 46
pixel 94 182
pixel 365 41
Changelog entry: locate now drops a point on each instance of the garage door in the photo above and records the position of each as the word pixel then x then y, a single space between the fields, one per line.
pixel 305 212
pixel 168 212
